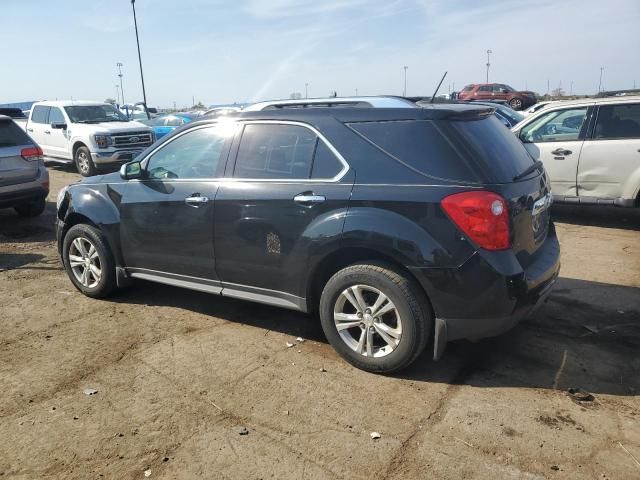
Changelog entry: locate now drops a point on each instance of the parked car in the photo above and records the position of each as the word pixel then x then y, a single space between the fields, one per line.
pixel 24 180
pixel 538 106
pixel 93 135
pixel 517 100
pixel 395 224
pixel 165 124
pixel 590 148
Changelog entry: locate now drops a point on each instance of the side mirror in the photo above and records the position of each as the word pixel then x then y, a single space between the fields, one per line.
pixel 59 125
pixel 131 170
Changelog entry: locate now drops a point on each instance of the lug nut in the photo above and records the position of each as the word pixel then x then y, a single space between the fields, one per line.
pixel 362 325
pixel 359 314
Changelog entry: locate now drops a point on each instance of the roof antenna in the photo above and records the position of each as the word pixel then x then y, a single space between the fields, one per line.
pixel 438 87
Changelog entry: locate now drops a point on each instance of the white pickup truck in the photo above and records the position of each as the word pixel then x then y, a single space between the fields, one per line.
pixel 93 135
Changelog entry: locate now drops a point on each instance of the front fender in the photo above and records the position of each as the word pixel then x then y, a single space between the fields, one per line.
pixel 100 204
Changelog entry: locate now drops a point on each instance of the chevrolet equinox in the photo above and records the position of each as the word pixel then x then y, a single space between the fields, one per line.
pixel 395 225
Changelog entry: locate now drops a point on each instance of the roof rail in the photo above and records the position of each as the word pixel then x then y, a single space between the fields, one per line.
pixel 334 102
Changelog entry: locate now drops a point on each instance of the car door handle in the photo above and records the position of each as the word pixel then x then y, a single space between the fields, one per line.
pixel 309 198
pixel 196 200
pixel 47 132
pixel 29 129
pixel 561 151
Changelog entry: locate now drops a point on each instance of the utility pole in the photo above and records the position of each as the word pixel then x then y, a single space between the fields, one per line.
pixel 306 90
pixel 600 82
pixel 120 65
pixel 547 87
pixel 135 24
pixel 193 100
pixel 571 89
pixel 489 52
pixel 404 91
pixel 634 86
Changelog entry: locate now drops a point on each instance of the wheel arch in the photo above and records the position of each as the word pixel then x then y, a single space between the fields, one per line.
pixel 76 145
pixel 344 257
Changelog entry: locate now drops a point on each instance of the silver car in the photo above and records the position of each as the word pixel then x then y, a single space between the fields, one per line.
pixel 24 180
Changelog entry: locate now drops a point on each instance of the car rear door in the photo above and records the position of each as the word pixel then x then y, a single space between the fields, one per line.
pixel 14 168
pixel 281 202
pixel 38 126
pixel 166 218
pixel 611 157
pixel 556 138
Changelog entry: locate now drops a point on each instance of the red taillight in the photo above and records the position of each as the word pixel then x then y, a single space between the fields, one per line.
pixel 31 154
pixel 482 216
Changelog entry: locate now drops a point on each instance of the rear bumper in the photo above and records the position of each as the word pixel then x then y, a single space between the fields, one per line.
pixel 18 194
pixel 482 301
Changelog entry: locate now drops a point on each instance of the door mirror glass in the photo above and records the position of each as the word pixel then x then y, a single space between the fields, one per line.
pixel 59 125
pixel 131 170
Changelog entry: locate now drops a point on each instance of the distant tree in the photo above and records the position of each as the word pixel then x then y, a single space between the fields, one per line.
pixel 198 106
pixel 295 96
pixel 110 100
pixel 558 92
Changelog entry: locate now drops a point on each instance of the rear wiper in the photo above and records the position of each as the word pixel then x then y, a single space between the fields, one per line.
pixel 537 165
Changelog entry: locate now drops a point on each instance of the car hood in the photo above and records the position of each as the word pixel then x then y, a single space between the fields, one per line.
pixel 113 127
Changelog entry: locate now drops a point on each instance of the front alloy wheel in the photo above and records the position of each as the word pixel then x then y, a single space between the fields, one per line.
pixel 367 321
pixel 85 262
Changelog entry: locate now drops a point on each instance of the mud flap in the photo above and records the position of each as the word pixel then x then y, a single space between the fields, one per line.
pixel 439 338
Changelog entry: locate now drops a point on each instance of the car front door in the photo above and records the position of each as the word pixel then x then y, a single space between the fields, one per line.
pixel 286 197
pixel 38 125
pixel 556 138
pixel 611 157
pixel 57 137
pixel 166 217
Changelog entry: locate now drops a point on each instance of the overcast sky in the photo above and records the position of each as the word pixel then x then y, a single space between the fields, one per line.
pixel 221 51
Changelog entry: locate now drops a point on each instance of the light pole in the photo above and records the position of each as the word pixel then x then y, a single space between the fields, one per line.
pixel 120 65
pixel 489 52
pixel 135 24
pixel 571 89
pixel 118 94
pixel 600 82
pixel 404 91
pixel 306 90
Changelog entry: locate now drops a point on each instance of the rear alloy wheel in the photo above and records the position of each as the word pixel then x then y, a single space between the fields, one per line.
pixel 375 318
pixel 515 103
pixel 31 209
pixel 84 163
pixel 88 261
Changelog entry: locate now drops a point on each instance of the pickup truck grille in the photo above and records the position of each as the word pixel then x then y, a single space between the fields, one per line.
pixel 132 139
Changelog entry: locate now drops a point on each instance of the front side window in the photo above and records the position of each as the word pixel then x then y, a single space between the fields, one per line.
pixel 468 88
pixel 555 126
pixel 485 88
pixel 618 121
pixel 193 155
pixel 270 151
pixel 55 115
pixel 95 114
pixel 40 114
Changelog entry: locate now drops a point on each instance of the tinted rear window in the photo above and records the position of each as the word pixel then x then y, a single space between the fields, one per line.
pixel 11 135
pixel 470 151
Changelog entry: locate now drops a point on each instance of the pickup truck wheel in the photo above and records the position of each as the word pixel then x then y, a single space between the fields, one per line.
pixel 88 261
pixel 376 319
pixel 84 163
pixel 31 209
pixel 515 103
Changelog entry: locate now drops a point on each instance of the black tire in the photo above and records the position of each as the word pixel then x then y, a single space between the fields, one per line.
pixel 107 279
pixel 410 304
pixel 84 162
pixel 31 209
pixel 516 103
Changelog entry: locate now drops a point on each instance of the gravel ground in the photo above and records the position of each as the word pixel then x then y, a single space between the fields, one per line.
pixel 179 373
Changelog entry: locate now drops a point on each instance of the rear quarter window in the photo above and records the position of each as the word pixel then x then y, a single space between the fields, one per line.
pixel 474 151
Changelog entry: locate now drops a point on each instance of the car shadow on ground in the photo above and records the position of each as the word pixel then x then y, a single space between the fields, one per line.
pixel 569 342
pixel 597 216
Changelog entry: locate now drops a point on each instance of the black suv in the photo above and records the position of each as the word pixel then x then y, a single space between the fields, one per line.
pixel 394 225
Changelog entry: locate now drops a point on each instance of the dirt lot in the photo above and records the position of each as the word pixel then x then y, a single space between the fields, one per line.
pixel 176 371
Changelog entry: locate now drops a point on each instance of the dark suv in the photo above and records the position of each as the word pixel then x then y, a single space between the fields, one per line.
pixel 395 225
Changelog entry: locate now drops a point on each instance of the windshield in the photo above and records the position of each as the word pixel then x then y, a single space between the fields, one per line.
pixel 94 114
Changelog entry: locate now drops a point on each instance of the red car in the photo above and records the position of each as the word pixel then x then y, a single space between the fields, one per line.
pixel 497 91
